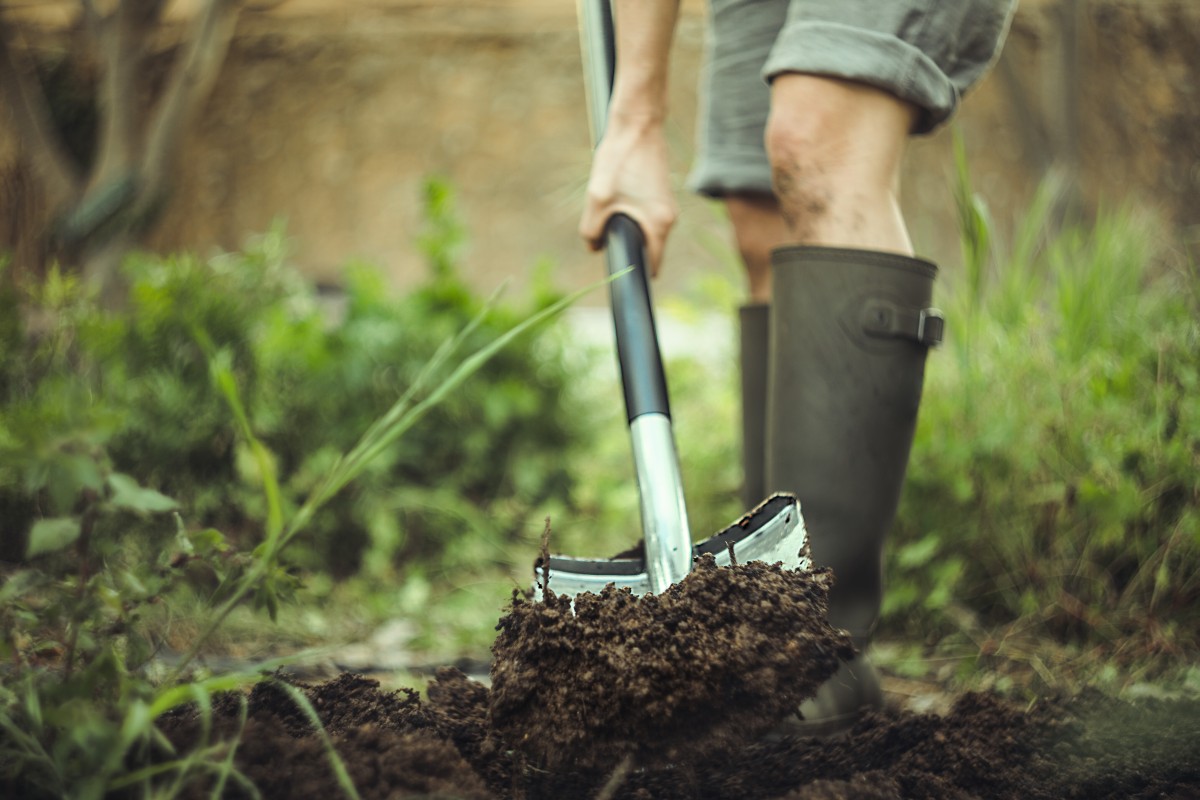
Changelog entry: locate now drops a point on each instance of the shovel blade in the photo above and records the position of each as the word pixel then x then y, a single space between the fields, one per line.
pixel 772 532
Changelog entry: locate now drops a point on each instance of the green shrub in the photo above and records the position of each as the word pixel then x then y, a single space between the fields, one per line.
pixel 1055 476
pixel 311 384
pixel 495 447
pixel 78 708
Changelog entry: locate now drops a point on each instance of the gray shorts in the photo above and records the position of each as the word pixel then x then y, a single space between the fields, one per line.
pixel 927 52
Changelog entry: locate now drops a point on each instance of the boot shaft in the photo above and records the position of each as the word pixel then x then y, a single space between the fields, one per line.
pixel 849 332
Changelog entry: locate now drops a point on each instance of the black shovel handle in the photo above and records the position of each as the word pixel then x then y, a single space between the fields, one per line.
pixel 633 316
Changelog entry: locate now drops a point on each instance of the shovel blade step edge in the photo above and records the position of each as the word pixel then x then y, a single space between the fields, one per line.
pixel 772 532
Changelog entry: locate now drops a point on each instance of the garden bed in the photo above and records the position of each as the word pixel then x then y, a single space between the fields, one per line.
pixel 562 718
pixel 396 745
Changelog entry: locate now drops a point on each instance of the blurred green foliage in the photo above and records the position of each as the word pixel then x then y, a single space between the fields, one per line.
pixel 313 376
pixel 1055 478
pixel 228 385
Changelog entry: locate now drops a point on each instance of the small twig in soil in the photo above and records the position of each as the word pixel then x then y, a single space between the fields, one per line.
pixel 732 554
pixel 609 790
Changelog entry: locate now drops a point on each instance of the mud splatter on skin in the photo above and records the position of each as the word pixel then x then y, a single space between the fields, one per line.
pixel 801 200
pixel 715 661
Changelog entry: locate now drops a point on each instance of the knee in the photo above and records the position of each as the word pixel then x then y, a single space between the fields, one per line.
pixel 802 140
pixel 806 154
pixel 825 127
pixel 826 133
pixel 808 122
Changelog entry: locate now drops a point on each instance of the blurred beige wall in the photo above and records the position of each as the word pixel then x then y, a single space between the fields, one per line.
pixel 333 112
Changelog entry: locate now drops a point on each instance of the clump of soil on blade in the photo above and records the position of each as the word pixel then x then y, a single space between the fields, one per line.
pixel 716 660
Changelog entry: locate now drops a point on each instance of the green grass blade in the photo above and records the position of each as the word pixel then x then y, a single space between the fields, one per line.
pixel 226 770
pixel 226 383
pixel 352 464
pixel 335 761
pixel 401 419
pixel 176 696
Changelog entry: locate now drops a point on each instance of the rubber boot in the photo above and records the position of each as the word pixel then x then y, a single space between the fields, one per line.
pixel 753 323
pixel 848 337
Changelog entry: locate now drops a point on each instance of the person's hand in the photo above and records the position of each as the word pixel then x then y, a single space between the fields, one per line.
pixel 630 176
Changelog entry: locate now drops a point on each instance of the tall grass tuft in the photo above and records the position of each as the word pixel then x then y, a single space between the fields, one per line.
pixel 1054 484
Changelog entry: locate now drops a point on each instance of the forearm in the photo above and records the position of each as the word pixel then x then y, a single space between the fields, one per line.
pixel 630 174
pixel 644 30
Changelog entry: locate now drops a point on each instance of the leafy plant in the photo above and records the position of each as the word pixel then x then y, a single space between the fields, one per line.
pixel 78 712
pixel 311 380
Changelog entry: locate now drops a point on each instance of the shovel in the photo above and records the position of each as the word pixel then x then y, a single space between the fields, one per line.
pixel 773 531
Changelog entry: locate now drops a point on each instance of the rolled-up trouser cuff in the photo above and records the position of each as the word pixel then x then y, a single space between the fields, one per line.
pixel 727 173
pixel 879 59
pixel 926 52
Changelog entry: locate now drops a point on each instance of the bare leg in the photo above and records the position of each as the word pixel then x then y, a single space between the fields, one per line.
pixel 836 147
pixel 759 228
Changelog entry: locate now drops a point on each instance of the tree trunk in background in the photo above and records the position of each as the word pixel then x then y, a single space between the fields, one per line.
pixel 1049 117
pixel 91 217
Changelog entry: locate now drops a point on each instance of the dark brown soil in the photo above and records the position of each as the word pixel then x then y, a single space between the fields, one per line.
pixel 717 660
pixel 664 698
pixel 396 745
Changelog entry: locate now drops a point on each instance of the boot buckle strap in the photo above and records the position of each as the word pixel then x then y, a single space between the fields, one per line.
pixel 931 326
pixel 924 326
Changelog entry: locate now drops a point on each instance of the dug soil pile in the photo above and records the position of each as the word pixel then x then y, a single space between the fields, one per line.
pixel 596 704
pixel 714 661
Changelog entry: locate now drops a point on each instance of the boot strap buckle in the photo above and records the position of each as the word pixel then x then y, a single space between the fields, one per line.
pixel 925 326
pixel 931 326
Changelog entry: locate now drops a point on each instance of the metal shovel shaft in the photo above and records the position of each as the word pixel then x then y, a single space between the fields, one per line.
pixel 668 543
pixel 664 516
